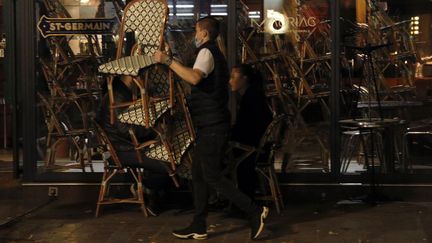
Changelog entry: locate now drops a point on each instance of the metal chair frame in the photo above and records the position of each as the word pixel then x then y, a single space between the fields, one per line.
pixel 266 168
pixel 144 80
pixel 168 131
pixel 115 168
pixel 60 129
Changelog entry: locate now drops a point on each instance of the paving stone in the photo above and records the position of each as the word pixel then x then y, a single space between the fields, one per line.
pixel 308 222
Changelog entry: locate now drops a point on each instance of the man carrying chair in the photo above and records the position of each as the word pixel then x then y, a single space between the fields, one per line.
pixel 209 79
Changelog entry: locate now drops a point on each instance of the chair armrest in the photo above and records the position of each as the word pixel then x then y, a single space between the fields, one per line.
pixel 241 146
pixel 145 144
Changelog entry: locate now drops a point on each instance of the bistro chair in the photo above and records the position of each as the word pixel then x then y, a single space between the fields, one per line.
pixel 415 132
pixel 175 138
pixel 113 166
pixel 70 88
pixel 236 153
pixel 145 20
pixel 265 156
pixel 60 128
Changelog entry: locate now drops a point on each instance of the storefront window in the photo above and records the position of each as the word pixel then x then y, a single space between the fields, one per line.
pixel 290 44
pixel 384 88
pixel 69 86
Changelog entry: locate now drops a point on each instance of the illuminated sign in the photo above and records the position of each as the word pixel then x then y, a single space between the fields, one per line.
pixel 69 26
pixel 277 23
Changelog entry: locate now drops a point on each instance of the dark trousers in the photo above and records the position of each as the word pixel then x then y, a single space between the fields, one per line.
pixel 156 173
pixel 207 172
pixel 247 178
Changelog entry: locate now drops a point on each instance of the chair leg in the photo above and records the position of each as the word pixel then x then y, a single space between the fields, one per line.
pixel 354 145
pixel 271 180
pixel 49 155
pixel 81 160
pixel 102 192
pixel 379 147
pixel 80 153
pixel 98 205
pixel 51 151
pixel 278 192
pixel 174 178
pixel 109 173
pixel 406 163
pixel 345 155
pixel 89 159
pixel 105 187
pixel 273 191
pixel 140 191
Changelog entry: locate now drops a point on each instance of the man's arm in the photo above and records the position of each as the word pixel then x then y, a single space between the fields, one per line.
pixel 192 76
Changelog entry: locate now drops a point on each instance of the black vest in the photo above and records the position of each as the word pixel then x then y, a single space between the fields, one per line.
pixel 209 98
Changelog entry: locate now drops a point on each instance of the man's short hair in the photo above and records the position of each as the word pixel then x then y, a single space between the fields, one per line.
pixel 211 25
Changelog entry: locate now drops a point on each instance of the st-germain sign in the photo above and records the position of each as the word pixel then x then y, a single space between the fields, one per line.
pixel 69 26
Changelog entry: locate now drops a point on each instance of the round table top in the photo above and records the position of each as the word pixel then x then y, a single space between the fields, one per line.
pixel 370 122
pixel 389 104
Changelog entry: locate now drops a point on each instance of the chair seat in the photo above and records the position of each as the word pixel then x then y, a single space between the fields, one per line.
pixel 180 145
pixel 160 152
pixel 135 114
pixel 72 165
pixel 73 132
pixel 129 65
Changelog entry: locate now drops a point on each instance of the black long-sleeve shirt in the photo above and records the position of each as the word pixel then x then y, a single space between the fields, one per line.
pixel 253 117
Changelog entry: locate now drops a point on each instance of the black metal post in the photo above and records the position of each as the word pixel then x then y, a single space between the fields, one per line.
pixel 26 78
pixel 232 33
pixel 197 9
pixel 335 87
pixel 10 70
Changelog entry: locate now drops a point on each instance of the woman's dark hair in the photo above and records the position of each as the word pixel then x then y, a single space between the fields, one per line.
pixel 254 77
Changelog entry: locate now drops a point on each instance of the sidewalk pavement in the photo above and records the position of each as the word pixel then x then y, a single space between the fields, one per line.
pixel 306 222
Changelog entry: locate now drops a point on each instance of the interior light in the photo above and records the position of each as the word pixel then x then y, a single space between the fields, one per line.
pixel 181 6
pixel 218 5
pixel 181 14
pixel 276 22
pixel 254 16
pixel 219 14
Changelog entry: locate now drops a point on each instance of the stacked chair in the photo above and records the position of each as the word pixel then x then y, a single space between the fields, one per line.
pixel 158 101
pixel 113 166
pixel 71 90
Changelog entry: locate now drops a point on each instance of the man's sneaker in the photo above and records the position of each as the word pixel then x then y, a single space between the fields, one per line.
pixel 193 231
pixel 257 222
